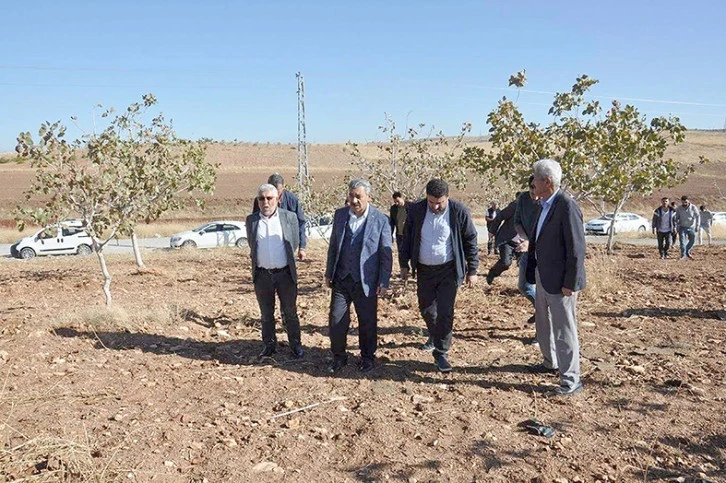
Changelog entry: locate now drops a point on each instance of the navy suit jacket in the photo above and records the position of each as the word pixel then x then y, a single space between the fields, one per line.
pixel 463 237
pixel 290 237
pixel 376 260
pixel 559 248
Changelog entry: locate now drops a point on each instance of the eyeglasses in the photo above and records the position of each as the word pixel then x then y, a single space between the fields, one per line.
pixel 263 198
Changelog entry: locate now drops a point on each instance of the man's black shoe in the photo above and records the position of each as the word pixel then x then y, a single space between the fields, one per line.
pixel 442 363
pixel 297 351
pixel 336 365
pixel 530 320
pixel 267 351
pixel 428 346
pixel 366 365
pixel 490 279
pixel 542 369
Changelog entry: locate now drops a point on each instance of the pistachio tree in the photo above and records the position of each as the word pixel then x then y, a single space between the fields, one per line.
pixel 407 161
pixel 606 157
pixel 109 180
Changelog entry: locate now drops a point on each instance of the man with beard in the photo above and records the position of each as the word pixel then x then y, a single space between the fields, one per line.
pixel 440 241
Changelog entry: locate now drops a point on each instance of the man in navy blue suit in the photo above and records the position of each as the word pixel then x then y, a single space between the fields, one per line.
pixel 358 270
pixel 556 263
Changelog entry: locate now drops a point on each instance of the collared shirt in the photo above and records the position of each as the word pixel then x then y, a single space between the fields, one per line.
pixel 355 222
pixel 270 244
pixel 546 205
pixel 436 245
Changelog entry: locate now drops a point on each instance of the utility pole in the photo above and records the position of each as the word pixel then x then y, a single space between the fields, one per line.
pixel 303 176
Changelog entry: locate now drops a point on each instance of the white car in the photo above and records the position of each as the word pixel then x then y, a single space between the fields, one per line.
pixel 719 217
pixel 214 234
pixel 319 228
pixel 624 222
pixel 66 237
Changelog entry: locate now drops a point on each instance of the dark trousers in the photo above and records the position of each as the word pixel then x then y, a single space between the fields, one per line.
pixel 492 245
pixel 267 283
pixel 664 243
pixel 401 263
pixel 506 255
pixel 345 292
pixel 436 290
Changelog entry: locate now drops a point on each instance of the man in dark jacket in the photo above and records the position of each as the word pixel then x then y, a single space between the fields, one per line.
pixel 398 214
pixel 557 264
pixel 288 201
pixel 440 241
pixel 491 215
pixel 664 225
pixel 506 241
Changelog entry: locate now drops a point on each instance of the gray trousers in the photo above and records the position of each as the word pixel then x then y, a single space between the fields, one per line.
pixel 555 317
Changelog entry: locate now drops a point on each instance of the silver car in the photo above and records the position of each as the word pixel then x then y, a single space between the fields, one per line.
pixel 214 234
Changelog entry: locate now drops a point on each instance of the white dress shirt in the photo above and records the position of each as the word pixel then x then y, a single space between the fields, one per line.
pixel 546 205
pixel 355 222
pixel 436 246
pixel 270 244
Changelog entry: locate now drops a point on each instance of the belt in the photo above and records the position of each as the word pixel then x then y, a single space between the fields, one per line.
pixel 273 270
pixel 435 267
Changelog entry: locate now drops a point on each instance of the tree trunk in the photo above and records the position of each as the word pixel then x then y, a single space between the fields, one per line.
pixel 106 274
pixel 611 235
pixel 137 251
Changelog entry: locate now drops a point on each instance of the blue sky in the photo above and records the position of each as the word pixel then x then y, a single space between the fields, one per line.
pixel 226 70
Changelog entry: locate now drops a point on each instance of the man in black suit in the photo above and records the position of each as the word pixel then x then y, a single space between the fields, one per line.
pixel 557 265
pixel 440 241
pixel 288 201
pixel 273 237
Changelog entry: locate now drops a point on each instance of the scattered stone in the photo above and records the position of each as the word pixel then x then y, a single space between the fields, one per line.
pixel 265 467
pixel 229 442
pixel 117 417
pixel 636 369
pixel 169 463
pixel 418 399
pixel 292 424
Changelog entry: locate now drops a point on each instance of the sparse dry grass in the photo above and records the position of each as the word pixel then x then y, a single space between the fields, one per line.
pixel 602 272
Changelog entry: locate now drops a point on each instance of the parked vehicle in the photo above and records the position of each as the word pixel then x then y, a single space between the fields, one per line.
pixel 66 237
pixel 719 217
pixel 211 235
pixel 624 222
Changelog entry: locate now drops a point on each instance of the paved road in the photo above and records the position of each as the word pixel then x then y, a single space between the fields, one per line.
pixel 161 243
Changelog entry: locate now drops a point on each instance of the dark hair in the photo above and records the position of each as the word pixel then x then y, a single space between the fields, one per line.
pixel 664 198
pixel 703 207
pixel 397 194
pixel 276 179
pixel 684 198
pixel 437 188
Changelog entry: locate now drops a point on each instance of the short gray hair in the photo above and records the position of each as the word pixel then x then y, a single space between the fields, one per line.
pixel 357 183
pixel 276 179
pixel 265 188
pixel 548 168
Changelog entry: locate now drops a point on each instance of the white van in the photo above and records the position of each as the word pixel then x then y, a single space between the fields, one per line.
pixel 66 237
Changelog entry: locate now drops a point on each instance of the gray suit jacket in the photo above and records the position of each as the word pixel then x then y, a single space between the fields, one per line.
pixel 290 236
pixel 559 248
pixel 376 260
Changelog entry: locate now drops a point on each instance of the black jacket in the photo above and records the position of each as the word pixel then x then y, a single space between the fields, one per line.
pixel 463 234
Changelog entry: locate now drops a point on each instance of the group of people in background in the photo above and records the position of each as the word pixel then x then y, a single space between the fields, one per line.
pixel 437 243
pixel 684 221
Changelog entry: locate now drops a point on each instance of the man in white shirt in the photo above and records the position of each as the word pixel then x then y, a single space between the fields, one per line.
pixel 440 242
pixel 273 237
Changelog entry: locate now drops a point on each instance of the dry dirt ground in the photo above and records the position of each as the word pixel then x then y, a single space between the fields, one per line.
pixel 168 388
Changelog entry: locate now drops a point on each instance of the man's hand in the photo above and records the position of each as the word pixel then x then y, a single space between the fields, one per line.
pixel 381 292
pixel 567 292
pixel 523 246
pixel 328 282
pixel 404 273
pixel 471 280
pixel 301 254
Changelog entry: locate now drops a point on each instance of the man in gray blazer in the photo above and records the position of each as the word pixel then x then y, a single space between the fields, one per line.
pixel 556 264
pixel 358 270
pixel 273 237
